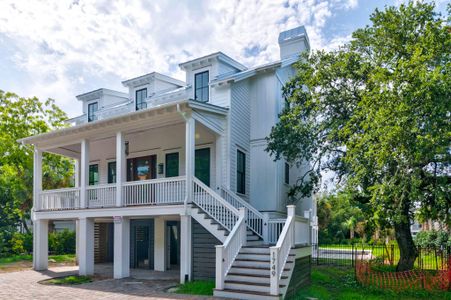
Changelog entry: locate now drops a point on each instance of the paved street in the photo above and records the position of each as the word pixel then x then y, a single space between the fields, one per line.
pixel 24 285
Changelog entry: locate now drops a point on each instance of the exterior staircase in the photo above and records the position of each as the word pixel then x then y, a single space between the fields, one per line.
pixel 246 267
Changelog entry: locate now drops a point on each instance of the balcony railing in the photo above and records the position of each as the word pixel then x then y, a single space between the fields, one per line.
pixel 147 192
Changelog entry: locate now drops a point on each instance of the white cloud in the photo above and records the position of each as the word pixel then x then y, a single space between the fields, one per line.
pixel 67 47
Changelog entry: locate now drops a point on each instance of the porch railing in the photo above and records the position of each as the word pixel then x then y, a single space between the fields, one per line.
pixel 275 227
pixel 103 195
pixel 226 253
pixel 214 205
pixel 59 199
pixel 254 218
pixel 280 252
pixel 155 191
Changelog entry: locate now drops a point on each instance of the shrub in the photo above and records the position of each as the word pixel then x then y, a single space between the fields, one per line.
pixel 21 243
pixel 432 239
pixel 62 242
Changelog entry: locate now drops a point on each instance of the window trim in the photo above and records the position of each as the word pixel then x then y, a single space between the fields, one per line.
pixel 93 117
pixel 199 72
pixel 241 186
pixel 141 106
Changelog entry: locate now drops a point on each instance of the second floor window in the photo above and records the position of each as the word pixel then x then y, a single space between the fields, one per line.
pixel 141 96
pixel 93 174
pixel 112 172
pixel 240 172
pixel 287 173
pixel 92 108
pixel 201 86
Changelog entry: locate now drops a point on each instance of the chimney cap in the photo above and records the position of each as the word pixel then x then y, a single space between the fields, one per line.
pixel 292 34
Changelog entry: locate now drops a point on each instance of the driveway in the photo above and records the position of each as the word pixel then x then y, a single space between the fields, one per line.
pixel 24 285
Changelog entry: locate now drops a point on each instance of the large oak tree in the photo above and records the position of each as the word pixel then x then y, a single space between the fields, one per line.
pixel 377 113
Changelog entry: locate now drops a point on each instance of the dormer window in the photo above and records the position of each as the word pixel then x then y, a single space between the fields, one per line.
pixel 141 96
pixel 201 92
pixel 92 108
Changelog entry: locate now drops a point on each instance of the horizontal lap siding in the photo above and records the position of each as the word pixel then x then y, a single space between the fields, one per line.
pixel 204 253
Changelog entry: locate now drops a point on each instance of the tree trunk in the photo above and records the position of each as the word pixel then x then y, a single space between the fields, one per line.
pixel 407 249
pixel 352 233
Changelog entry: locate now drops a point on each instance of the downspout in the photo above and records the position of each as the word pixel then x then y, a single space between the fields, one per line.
pixel 183 115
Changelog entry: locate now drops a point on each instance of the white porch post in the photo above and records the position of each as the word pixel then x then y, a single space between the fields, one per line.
pixel 86 259
pixel 120 167
pixel 291 212
pixel 219 160
pixel 185 248
pixel 77 173
pixel 37 178
pixel 84 173
pixel 121 247
pixel 160 245
pixel 190 145
pixel 40 246
pixel 77 241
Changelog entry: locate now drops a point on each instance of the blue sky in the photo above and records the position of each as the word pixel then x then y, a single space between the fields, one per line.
pixel 61 48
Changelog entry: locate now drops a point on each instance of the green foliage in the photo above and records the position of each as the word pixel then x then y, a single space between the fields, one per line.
pixel 62 242
pixel 72 279
pixel 196 288
pixel 377 113
pixel 337 217
pixel 21 243
pixel 433 239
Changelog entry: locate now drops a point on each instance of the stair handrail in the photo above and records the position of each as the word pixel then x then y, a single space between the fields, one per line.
pixel 214 205
pixel 255 219
pixel 280 252
pixel 226 253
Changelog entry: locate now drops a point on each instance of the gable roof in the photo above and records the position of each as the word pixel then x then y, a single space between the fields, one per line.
pixel 220 56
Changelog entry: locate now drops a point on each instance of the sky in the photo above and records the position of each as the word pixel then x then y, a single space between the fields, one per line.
pixel 62 48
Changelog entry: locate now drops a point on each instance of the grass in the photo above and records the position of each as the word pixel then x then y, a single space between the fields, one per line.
pixel 338 283
pixel 69 280
pixel 28 257
pixel 196 288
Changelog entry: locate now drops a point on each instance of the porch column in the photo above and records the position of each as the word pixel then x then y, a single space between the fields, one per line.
pixel 37 177
pixel 40 244
pixel 86 243
pixel 77 241
pixel 219 161
pixel 77 173
pixel 121 247
pixel 84 173
pixel 120 167
pixel 160 245
pixel 190 145
pixel 185 248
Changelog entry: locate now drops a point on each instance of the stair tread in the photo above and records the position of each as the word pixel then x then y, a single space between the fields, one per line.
pixel 256 268
pixel 246 292
pixel 253 275
pixel 251 283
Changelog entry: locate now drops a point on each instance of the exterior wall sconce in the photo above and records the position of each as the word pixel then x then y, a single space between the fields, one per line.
pixel 160 168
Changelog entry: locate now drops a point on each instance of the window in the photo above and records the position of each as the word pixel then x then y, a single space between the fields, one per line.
pixel 287 173
pixel 92 108
pixel 142 168
pixel 141 96
pixel 240 172
pixel 93 174
pixel 201 86
pixel 172 164
pixel 112 172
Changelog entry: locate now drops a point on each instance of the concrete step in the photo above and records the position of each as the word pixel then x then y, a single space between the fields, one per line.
pixel 245 295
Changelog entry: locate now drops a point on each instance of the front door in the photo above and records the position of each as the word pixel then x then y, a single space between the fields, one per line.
pixel 173 244
pixel 142 244
pixel 202 165
pixel 142 168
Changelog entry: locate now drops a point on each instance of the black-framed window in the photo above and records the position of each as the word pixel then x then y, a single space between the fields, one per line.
pixel 201 86
pixel 240 172
pixel 93 174
pixel 172 164
pixel 112 172
pixel 287 173
pixel 92 108
pixel 141 96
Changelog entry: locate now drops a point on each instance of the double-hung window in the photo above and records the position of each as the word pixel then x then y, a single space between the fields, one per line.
pixel 93 174
pixel 92 108
pixel 287 173
pixel 240 172
pixel 141 96
pixel 201 91
pixel 112 172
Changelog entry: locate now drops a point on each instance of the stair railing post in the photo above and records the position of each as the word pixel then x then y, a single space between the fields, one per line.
pixel 265 228
pixel 242 214
pixel 219 267
pixel 274 267
pixel 291 212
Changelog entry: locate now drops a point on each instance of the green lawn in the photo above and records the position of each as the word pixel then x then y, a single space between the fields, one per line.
pixel 339 284
pixel 28 257
pixel 196 288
